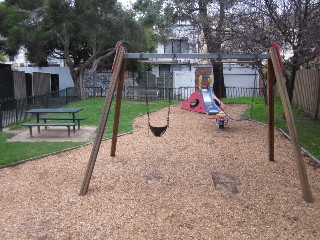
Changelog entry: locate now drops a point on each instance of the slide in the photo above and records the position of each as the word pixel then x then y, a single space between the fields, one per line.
pixel 203 101
pixel 209 104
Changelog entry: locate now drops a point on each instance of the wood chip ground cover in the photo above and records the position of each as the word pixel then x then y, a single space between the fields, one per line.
pixel 195 182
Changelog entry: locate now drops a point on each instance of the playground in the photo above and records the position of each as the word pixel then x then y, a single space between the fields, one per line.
pixel 194 182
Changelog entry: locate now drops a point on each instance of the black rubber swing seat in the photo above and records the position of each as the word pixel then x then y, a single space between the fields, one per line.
pixel 158 131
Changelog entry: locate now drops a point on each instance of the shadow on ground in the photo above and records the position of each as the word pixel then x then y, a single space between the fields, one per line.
pixel 54 134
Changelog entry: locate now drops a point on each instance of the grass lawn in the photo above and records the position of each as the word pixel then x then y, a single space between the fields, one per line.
pixel 308 129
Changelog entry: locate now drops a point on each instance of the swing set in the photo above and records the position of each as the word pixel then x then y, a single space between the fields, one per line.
pixel 275 75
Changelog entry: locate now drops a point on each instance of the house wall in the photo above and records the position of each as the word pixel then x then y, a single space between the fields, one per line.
pixel 240 76
pixel 65 79
pixel 19 84
pixel 182 82
pixel 40 83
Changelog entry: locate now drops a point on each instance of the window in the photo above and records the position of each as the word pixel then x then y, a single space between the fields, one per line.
pixel 164 68
pixel 177 46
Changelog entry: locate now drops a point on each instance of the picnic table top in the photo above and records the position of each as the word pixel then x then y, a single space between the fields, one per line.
pixel 54 110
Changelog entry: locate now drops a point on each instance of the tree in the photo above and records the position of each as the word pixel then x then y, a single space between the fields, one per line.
pixel 82 32
pixel 154 15
pixel 208 16
pixel 229 26
pixel 2 58
pixel 295 25
pixel 248 26
pixel 214 31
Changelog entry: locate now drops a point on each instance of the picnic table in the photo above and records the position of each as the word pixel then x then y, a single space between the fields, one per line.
pixel 39 111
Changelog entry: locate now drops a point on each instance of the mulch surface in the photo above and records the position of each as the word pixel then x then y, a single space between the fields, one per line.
pixel 195 182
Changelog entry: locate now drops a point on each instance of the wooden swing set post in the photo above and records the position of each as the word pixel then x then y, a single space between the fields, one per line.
pixel 116 69
pixel 117 109
pixel 276 65
pixel 270 91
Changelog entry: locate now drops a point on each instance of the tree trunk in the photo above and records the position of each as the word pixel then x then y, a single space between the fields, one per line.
pixel 77 78
pixel 290 85
pixel 214 43
pixel 82 93
pixel 219 88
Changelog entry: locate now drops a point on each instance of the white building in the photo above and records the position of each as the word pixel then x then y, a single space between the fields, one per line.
pixel 181 74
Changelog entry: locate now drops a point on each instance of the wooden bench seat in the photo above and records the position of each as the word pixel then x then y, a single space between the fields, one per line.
pixel 78 119
pixel 30 125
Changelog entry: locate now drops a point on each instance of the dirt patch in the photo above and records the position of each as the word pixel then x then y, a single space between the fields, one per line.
pixel 54 134
pixel 225 181
pixel 163 188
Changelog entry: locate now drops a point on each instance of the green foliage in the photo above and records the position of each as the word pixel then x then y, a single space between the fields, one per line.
pixel 151 40
pixel 156 15
pixel 2 57
pixel 149 11
pixel 10 41
pixel 66 28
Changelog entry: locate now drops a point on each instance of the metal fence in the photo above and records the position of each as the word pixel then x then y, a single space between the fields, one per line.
pixel 183 93
pixel 13 111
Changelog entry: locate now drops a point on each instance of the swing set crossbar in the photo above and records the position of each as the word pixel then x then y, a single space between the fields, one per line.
pixel 218 56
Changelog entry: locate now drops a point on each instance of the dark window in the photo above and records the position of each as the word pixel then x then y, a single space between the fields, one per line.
pixel 54 82
pixel 177 46
pixel 164 68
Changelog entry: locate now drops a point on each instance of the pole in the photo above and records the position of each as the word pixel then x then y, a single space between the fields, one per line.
pixel 270 86
pixel 96 145
pixel 291 126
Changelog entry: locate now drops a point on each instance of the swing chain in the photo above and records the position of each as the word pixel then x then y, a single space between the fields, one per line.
pixel 254 85
pixel 146 93
pixel 157 131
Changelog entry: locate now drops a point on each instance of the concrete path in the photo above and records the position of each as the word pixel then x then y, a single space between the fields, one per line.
pixel 53 134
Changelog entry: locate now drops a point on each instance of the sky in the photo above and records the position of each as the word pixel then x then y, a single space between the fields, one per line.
pixel 126 2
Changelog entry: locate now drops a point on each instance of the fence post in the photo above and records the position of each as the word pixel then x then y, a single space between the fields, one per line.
pixel 316 115
pixel 1 116
pixel 47 100
pixel 16 108
pixel 66 96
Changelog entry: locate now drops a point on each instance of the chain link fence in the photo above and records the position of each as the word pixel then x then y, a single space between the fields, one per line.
pixel 13 111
